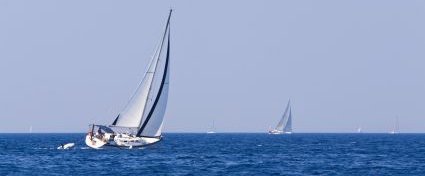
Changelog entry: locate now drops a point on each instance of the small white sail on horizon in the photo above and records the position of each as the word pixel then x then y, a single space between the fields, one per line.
pixel 285 123
pixel 396 127
pixel 212 129
pixel 359 130
pixel 140 122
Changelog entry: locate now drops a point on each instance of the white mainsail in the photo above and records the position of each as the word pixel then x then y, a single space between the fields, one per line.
pixel 285 123
pixel 131 116
pixel 157 115
pixel 359 130
pixel 146 108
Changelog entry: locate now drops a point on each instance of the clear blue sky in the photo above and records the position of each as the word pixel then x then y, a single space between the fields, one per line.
pixel 344 64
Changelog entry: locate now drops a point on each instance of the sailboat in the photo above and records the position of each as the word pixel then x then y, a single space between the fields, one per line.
pixel 395 128
pixel 140 122
pixel 359 130
pixel 285 124
pixel 212 129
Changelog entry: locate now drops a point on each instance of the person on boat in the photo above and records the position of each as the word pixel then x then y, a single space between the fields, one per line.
pixel 90 134
pixel 99 133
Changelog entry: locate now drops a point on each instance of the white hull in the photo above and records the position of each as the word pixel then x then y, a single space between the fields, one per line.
pixel 393 132
pixel 121 140
pixel 279 132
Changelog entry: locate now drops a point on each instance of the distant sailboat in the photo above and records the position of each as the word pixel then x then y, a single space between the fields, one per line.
pixel 396 127
pixel 285 124
pixel 140 123
pixel 30 129
pixel 359 130
pixel 212 129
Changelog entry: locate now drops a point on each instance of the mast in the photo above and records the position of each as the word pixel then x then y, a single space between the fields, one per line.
pixel 396 125
pixel 167 28
pixel 212 128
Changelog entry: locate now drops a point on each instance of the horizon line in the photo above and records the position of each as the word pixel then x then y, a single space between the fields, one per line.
pixel 226 133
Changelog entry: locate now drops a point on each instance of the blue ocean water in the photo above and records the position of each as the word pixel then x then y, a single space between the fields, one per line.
pixel 219 154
